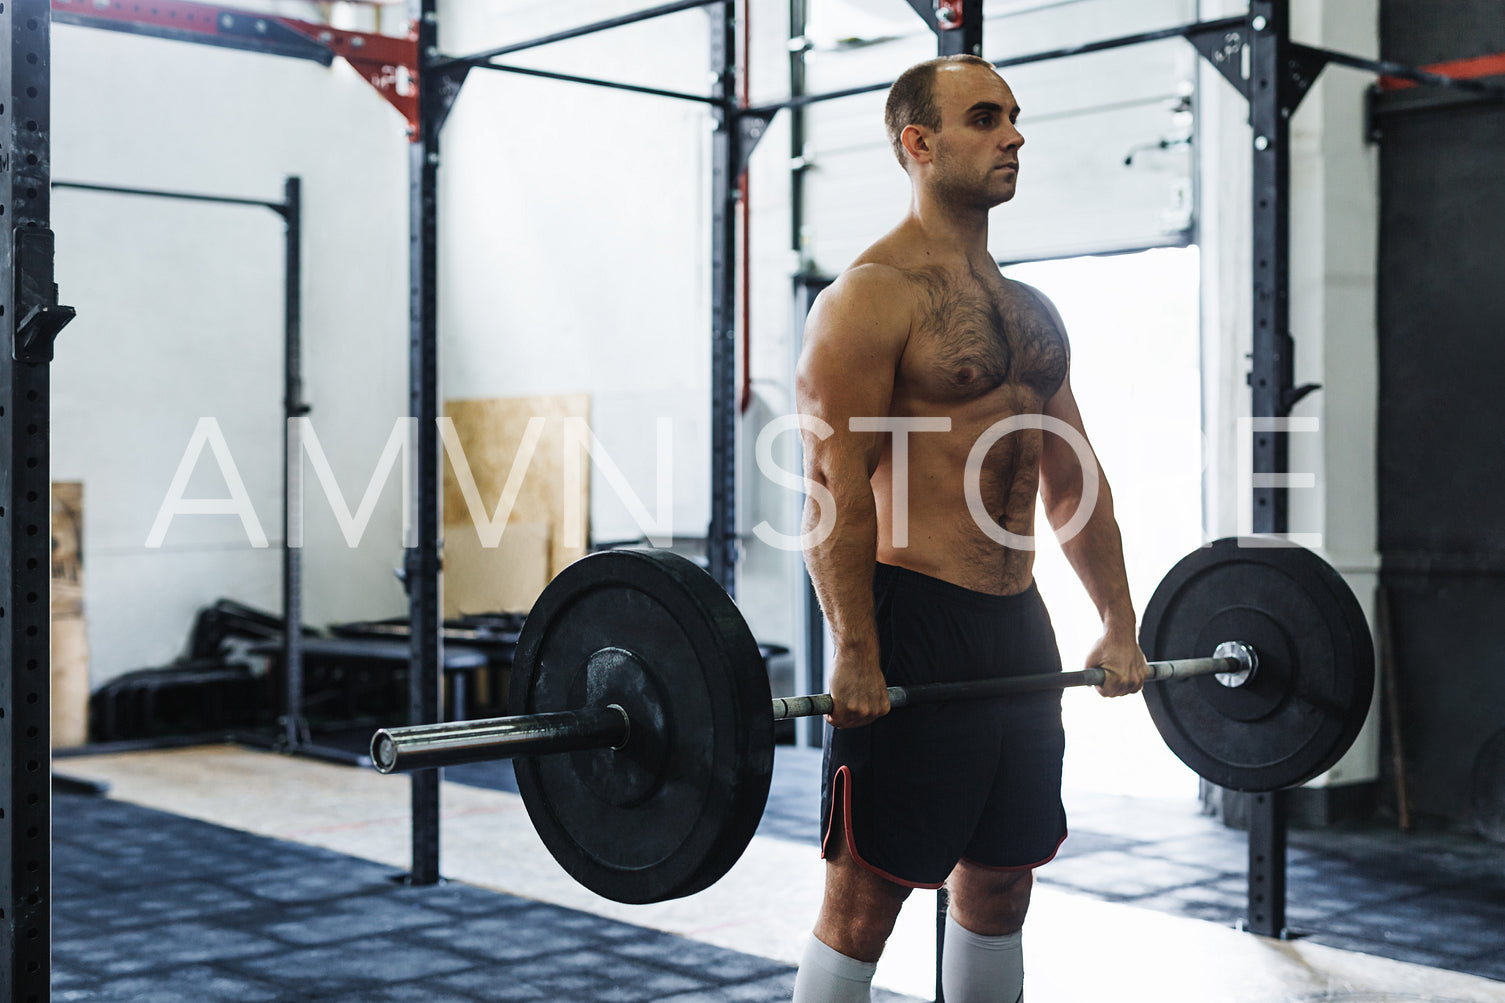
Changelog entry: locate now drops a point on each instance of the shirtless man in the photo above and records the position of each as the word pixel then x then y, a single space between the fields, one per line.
pixel 923 328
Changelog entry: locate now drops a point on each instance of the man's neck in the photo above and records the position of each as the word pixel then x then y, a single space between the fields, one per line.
pixel 966 230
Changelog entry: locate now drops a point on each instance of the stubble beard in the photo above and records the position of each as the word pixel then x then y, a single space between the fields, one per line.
pixel 959 192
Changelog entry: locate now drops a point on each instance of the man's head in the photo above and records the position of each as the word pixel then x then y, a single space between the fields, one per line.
pixel 951 124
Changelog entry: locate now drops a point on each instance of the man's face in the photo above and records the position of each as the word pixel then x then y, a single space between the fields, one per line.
pixel 976 151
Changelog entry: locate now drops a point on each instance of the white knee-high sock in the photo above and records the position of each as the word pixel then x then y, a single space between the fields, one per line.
pixel 828 976
pixel 977 969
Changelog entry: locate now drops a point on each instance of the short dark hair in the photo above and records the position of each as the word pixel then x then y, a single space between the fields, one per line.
pixel 911 100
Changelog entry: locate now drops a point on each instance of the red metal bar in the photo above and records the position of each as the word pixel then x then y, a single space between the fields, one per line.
pixel 389 63
pixel 190 17
pixel 1463 69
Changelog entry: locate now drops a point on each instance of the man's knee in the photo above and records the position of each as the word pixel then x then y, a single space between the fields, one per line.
pixel 856 932
pixel 990 903
pixel 859 910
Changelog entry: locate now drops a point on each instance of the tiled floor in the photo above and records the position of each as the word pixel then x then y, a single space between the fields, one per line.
pixel 154 907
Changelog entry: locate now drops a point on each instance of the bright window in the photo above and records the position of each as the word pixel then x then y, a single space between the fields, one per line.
pixel 1134 329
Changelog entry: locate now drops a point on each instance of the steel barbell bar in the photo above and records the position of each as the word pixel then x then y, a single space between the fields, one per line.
pixel 427 746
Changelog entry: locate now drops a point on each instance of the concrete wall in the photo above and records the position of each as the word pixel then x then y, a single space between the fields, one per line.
pixel 1441 311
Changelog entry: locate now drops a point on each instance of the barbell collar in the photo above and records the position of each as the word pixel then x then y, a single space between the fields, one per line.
pixel 425 746
pixel 1248 662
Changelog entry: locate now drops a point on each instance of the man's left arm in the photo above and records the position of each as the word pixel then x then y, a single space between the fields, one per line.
pixel 1096 551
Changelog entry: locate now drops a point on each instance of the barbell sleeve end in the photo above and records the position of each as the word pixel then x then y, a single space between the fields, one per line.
pixel 1246 659
pixel 454 743
pixel 383 752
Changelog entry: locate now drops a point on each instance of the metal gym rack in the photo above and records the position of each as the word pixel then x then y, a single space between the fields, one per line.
pixel 1280 73
pixel 293 736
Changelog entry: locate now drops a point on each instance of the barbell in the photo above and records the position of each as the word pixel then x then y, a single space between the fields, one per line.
pixel 644 738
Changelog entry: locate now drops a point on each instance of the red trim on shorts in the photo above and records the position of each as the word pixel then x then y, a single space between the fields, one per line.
pixel 1024 867
pixel 844 778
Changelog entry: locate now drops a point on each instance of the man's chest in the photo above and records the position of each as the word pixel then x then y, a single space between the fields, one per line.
pixel 976 337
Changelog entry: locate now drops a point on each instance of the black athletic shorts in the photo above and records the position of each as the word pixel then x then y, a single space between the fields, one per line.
pixel 975 780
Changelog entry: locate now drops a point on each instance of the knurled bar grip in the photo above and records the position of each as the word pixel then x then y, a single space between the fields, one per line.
pixel 904 696
pixel 426 746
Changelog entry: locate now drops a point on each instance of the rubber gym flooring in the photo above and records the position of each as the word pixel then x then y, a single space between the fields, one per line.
pixel 157 908
pixel 154 906
pixel 1434 899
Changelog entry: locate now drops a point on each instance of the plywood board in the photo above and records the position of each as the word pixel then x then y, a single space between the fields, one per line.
pixel 522 441
pixel 70 645
pixel 506 578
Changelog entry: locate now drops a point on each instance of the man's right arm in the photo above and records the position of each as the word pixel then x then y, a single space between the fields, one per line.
pixel 854 338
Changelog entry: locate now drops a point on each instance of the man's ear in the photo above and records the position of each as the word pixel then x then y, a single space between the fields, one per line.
pixel 916 144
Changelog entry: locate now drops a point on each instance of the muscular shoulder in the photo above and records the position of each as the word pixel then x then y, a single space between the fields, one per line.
pixel 870 304
pixel 854 338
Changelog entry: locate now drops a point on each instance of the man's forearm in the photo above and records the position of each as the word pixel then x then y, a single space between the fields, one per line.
pixel 841 565
pixel 1097 556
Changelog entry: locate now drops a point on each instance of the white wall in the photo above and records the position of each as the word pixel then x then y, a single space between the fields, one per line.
pixel 1081 117
pixel 180 317
pixel 1333 234
pixel 575 239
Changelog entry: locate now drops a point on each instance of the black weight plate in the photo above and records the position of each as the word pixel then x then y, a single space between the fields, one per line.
pixel 1304 706
pixel 671 812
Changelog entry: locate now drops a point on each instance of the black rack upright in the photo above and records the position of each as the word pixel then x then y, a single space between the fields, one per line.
pixel 31 318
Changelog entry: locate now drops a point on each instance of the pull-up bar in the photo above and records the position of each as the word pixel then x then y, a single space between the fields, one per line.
pixel 281 208
pixel 615 85
pixel 482 59
pixel 1122 41
pixel 1191 32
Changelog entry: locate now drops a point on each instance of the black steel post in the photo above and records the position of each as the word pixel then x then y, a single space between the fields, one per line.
pixel 721 537
pixel 806 288
pixel 1272 98
pixel 293 407
pixel 960 33
pixel 422 568
pixel 812 622
pixel 799 17
pixel 942 904
pixel 26 293
pixel 1267 864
